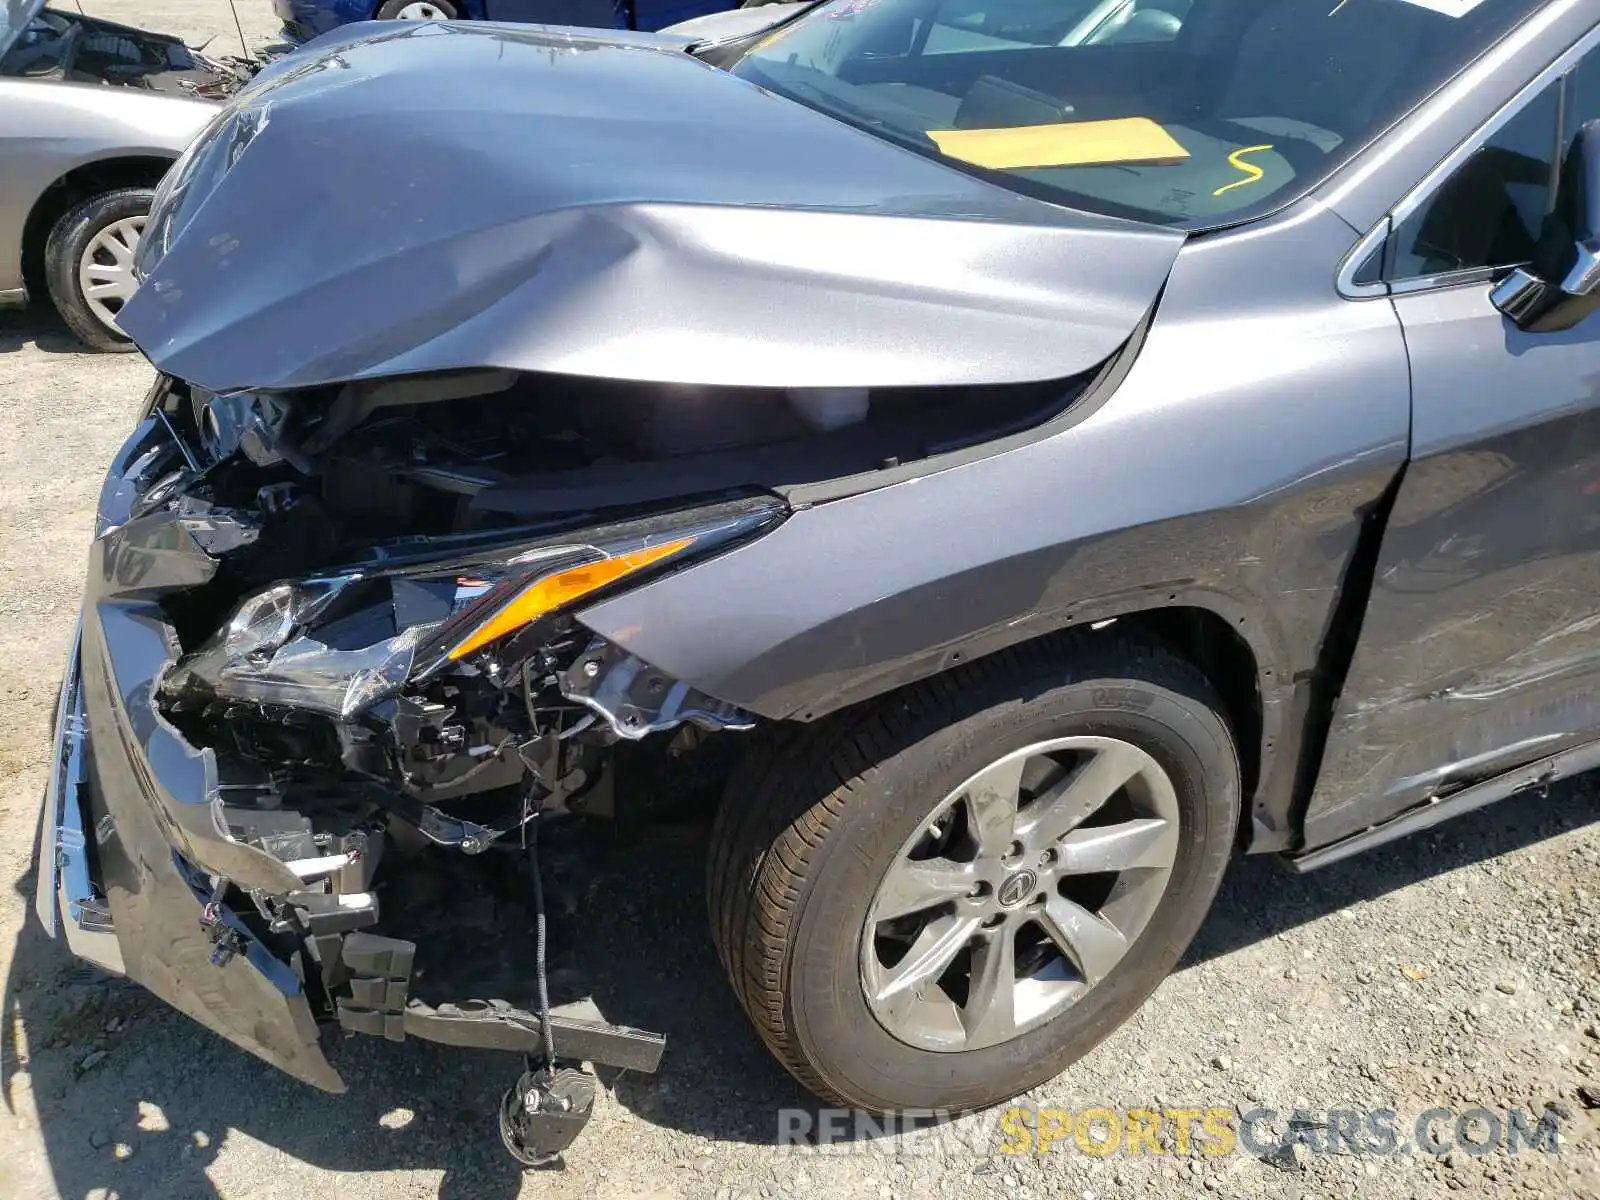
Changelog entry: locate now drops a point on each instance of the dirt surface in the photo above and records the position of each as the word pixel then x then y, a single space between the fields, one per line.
pixel 1457 970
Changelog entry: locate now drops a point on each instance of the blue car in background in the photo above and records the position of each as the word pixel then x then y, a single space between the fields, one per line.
pixel 306 19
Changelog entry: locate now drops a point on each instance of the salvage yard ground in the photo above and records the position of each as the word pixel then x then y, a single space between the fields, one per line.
pixel 1457 970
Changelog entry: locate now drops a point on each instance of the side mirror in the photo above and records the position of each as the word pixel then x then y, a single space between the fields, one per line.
pixel 1562 285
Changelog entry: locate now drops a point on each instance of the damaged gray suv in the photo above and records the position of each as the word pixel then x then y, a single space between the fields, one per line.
pixel 1030 451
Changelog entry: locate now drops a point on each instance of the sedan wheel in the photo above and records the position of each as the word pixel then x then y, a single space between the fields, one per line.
pixel 105 269
pixel 941 900
pixel 88 263
pixel 1024 891
pixel 416 10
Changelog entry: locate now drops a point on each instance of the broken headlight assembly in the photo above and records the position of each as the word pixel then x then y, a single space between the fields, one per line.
pixel 262 655
pixel 339 644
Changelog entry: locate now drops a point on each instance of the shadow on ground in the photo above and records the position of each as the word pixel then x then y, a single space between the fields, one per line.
pixel 39 327
pixel 174 1094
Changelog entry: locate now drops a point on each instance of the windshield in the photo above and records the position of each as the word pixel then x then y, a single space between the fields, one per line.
pixel 1191 112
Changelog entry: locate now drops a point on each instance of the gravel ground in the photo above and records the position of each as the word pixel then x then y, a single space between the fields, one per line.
pixel 1459 969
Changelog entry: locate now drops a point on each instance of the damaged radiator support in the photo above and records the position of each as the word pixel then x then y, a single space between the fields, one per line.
pixel 377 1004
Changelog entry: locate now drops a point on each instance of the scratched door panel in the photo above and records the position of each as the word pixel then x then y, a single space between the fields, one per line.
pixel 1480 647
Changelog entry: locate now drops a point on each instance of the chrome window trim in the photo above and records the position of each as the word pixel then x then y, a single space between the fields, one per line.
pixel 1369 241
pixel 1424 189
pixel 1449 279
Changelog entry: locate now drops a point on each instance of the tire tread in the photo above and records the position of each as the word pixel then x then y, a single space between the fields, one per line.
pixel 61 250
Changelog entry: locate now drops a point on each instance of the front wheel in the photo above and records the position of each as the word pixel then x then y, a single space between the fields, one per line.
pixel 88 263
pixel 942 900
pixel 416 10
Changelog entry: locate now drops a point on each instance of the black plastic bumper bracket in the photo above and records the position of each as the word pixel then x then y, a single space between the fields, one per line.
pixel 496 1025
pixel 377 1005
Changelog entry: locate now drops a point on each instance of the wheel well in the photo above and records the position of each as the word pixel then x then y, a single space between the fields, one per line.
pixel 1215 647
pixel 72 188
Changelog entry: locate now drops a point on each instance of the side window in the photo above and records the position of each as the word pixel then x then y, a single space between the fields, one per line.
pixel 1489 213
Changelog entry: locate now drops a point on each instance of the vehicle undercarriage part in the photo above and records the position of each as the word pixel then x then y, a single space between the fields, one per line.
pixel 547 1107
pixel 376 1001
pixel 544 1112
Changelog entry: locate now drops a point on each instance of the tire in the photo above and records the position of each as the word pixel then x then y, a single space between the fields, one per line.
pixel 817 815
pixel 64 250
pixel 390 10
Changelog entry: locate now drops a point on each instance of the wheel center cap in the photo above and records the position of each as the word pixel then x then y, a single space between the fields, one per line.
pixel 1016 889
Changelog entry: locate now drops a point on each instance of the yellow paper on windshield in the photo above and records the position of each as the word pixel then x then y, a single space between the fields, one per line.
pixel 1075 144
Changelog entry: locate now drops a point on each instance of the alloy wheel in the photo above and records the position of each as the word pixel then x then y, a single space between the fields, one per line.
pixel 105 269
pixel 1023 890
pixel 421 10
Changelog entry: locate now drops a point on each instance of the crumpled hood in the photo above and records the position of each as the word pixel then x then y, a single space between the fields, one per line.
pixel 428 196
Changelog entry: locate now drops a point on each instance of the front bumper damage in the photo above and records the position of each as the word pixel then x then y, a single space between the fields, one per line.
pixel 169 862
pixel 121 893
pixel 70 905
pixel 131 802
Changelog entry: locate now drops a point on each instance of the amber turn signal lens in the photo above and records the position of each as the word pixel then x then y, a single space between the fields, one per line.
pixel 553 591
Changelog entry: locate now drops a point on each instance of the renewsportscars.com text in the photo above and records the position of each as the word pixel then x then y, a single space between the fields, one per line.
pixel 1213 1130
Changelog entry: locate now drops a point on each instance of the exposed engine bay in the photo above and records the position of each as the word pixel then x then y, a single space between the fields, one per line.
pixel 74 48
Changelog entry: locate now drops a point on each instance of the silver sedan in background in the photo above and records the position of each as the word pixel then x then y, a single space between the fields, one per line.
pixel 91 116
